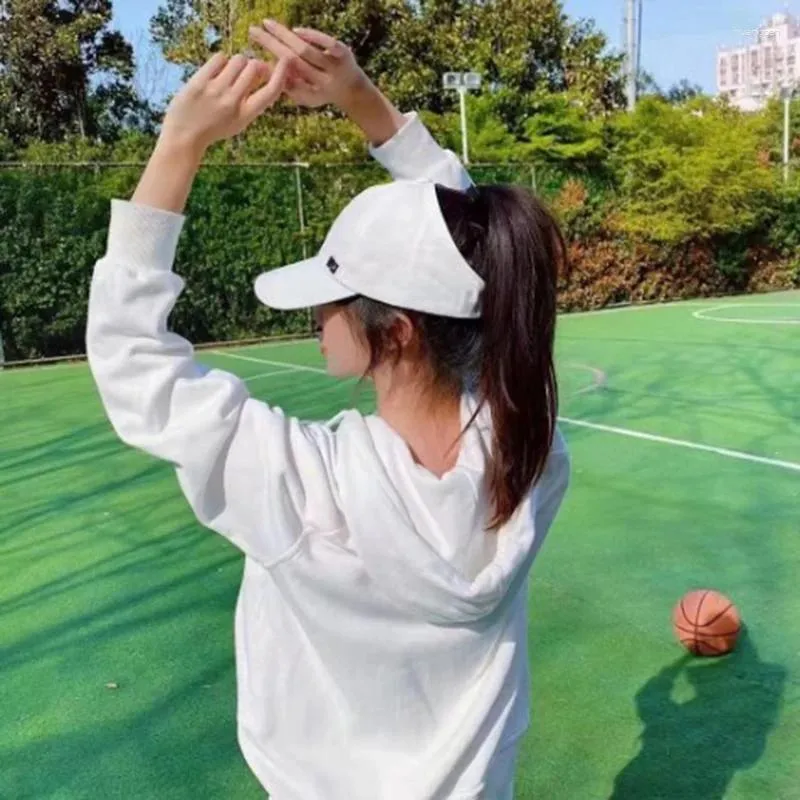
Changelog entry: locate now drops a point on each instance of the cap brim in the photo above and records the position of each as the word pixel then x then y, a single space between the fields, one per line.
pixel 306 283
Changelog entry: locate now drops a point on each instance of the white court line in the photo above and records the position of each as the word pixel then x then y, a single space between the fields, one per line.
pixel 273 343
pixel 599 378
pixel 790 294
pixel 268 374
pixel 79 359
pixel 619 309
pixel 650 437
pixel 703 314
pixel 290 367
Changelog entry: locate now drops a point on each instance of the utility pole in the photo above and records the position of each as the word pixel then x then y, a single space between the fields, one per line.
pixel 633 43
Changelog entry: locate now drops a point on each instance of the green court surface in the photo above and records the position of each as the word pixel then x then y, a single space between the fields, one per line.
pixel 116 607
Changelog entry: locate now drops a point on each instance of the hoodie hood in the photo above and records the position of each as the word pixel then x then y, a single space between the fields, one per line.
pixel 423 539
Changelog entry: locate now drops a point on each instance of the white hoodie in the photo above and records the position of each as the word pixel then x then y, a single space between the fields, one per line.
pixel 381 645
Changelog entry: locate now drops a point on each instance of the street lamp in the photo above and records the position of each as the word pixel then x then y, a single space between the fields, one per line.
pixel 462 82
pixel 787 93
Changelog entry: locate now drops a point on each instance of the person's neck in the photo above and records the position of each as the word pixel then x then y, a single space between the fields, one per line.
pixel 429 421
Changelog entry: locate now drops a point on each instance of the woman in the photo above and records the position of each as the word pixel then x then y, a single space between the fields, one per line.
pixel 381 623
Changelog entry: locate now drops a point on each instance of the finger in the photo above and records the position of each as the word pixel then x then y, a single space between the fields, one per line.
pixel 209 70
pixel 270 42
pixel 296 82
pixel 305 50
pixel 282 50
pixel 261 100
pixel 322 40
pixel 232 71
pixel 279 49
pixel 249 78
pixel 302 93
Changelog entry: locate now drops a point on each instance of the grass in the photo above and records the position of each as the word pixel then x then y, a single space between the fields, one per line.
pixel 108 581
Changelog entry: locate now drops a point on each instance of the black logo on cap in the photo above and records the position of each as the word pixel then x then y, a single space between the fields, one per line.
pixel 332 265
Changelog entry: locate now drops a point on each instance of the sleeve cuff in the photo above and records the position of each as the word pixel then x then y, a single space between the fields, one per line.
pixel 143 236
pixel 411 152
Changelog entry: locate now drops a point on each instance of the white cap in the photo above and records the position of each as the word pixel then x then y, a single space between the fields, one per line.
pixel 391 244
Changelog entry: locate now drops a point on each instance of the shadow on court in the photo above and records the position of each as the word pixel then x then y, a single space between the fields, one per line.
pixel 692 750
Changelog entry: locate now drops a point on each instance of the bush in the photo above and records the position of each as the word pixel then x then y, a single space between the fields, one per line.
pixel 243 219
pixel 240 220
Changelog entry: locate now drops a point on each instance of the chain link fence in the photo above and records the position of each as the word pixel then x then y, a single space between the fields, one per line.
pixel 241 219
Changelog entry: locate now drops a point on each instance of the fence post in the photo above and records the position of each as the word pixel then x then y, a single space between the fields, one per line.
pixel 301 208
pixel 302 217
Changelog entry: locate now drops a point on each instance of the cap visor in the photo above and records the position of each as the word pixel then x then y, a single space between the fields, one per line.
pixel 306 283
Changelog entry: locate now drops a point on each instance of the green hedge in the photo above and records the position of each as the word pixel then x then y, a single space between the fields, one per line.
pixel 244 219
pixel 240 220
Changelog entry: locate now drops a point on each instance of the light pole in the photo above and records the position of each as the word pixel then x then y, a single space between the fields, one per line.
pixel 787 93
pixel 462 82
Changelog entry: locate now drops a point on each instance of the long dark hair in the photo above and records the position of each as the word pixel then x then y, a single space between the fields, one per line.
pixel 514 243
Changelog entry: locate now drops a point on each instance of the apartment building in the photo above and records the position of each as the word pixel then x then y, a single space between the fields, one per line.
pixel 768 61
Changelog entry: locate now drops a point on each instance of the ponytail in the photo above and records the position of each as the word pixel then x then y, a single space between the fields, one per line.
pixel 513 242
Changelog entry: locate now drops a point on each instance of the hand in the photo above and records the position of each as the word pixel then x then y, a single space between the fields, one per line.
pixel 221 99
pixel 321 69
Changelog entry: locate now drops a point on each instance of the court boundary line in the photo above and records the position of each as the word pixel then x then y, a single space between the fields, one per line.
pixel 738 455
pixel 77 359
pixel 702 313
pixel 691 301
pixel 706 448
pixel 267 374
pixel 599 378
pixel 290 367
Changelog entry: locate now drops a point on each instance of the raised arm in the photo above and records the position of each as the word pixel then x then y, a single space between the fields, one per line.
pixel 324 71
pixel 242 465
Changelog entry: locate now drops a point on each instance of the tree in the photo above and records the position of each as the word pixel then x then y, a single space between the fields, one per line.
pixel 678 93
pixel 682 91
pixel 406 46
pixel 646 84
pixel 690 171
pixel 63 70
pixel 190 31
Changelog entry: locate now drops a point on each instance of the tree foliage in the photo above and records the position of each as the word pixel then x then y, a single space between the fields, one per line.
pixel 64 70
pixel 518 46
pixel 691 171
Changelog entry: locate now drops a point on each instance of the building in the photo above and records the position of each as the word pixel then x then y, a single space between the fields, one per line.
pixel 749 75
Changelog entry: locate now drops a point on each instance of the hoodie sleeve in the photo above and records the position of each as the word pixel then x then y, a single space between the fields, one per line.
pixel 413 154
pixel 549 492
pixel 248 472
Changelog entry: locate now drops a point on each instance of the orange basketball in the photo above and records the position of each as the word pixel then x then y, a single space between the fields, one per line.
pixel 707 623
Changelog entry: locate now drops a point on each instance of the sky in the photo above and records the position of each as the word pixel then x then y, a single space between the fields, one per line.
pixel 679 37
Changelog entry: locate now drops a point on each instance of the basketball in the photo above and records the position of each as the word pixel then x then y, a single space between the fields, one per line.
pixel 706 623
